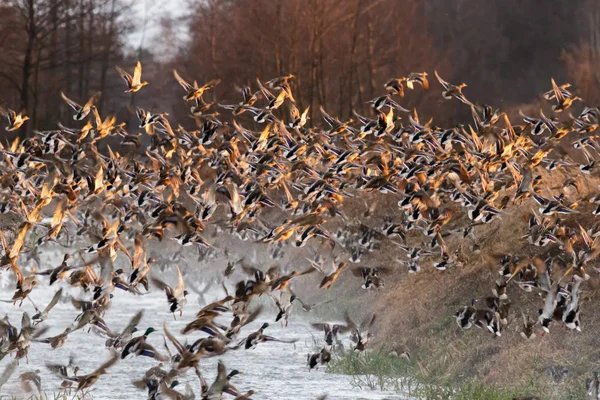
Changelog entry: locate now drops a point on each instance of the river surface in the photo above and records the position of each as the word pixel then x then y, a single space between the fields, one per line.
pixel 274 370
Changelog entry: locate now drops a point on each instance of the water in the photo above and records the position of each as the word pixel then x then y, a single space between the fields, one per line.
pixel 274 370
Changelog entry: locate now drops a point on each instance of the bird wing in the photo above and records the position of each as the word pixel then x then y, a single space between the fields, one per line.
pixel 272 339
pixel 441 81
pixel 8 371
pixel 268 95
pixel 19 241
pixel 180 284
pixel 181 81
pixel 178 346
pixel 159 283
pixel 92 99
pixel 137 74
pixel 586 238
pixel 220 381
pixel 57 217
pixel 253 315
pixel 114 357
pixel 125 75
pixel 557 92
pixel 139 254
pixel 70 102
pixel 295 114
pixel 54 300
pixel 135 320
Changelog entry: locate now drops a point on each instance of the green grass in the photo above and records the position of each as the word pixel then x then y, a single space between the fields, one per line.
pixel 377 370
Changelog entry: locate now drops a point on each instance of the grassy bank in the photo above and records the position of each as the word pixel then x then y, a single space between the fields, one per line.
pixel 378 370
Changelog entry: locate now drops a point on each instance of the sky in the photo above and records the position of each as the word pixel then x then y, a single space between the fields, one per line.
pixel 153 10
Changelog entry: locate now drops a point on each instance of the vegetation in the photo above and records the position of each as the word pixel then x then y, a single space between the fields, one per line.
pixel 51 45
pixel 378 370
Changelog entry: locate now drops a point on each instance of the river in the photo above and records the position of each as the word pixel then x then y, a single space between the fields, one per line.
pixel 274 370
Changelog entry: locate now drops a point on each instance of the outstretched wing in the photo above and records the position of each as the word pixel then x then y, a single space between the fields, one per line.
pixel 180 283
pixel 135 320
pixel 8 371
pixel 441 81
pixel 557 92
pixel 181 81
pixel 54 300
pixel 137 74
pixel 70 102
pixel 125 75
pixel 173 339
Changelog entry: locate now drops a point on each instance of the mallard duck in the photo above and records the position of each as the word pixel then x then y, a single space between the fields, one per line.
pixel 252 340
pixel 240 319
pixel 298 120
pixel 453 91
pixel 215 391
pixel 185 358
pixel 464 317
pixel 395 86
pixel 379 102
pixel 322 357
pixel 282 282
pixel 24 288
pixel 87 381
pixel 65 372
pixel 58 340
pixel 274 102
pixel 417 77
pixel 152 379
pixel 331 332
pixel 176 297
pixel 80 111
pixel 41 316
pixel 329 280
pixel 527 328
pixel 59 272
pixel 31 382
pixel 571 314
pixel 134 82
pixel 564 98
pixel 205 322
pixel 18 342
pixel 360 334
pixel 371 276
pixel 168 392
pixel 284 307
pixel 15 121
pixel 138 347
pixel 255 337
pixel 194 92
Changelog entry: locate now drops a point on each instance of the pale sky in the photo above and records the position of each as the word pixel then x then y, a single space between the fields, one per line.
pixel 152 11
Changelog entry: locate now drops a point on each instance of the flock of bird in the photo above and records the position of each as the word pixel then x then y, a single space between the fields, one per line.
pixel 108 205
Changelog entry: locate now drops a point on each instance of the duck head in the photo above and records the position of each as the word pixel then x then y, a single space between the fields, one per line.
pixel 149 331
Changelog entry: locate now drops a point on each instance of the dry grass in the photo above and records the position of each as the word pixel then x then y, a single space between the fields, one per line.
pixel 417 310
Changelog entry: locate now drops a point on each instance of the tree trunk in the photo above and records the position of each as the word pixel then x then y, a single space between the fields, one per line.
pixel 27 62
pixel 107 53
pixel 351 64
pixel 34 107
pixel 82 50
pixel 371 62
pixel 67 60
